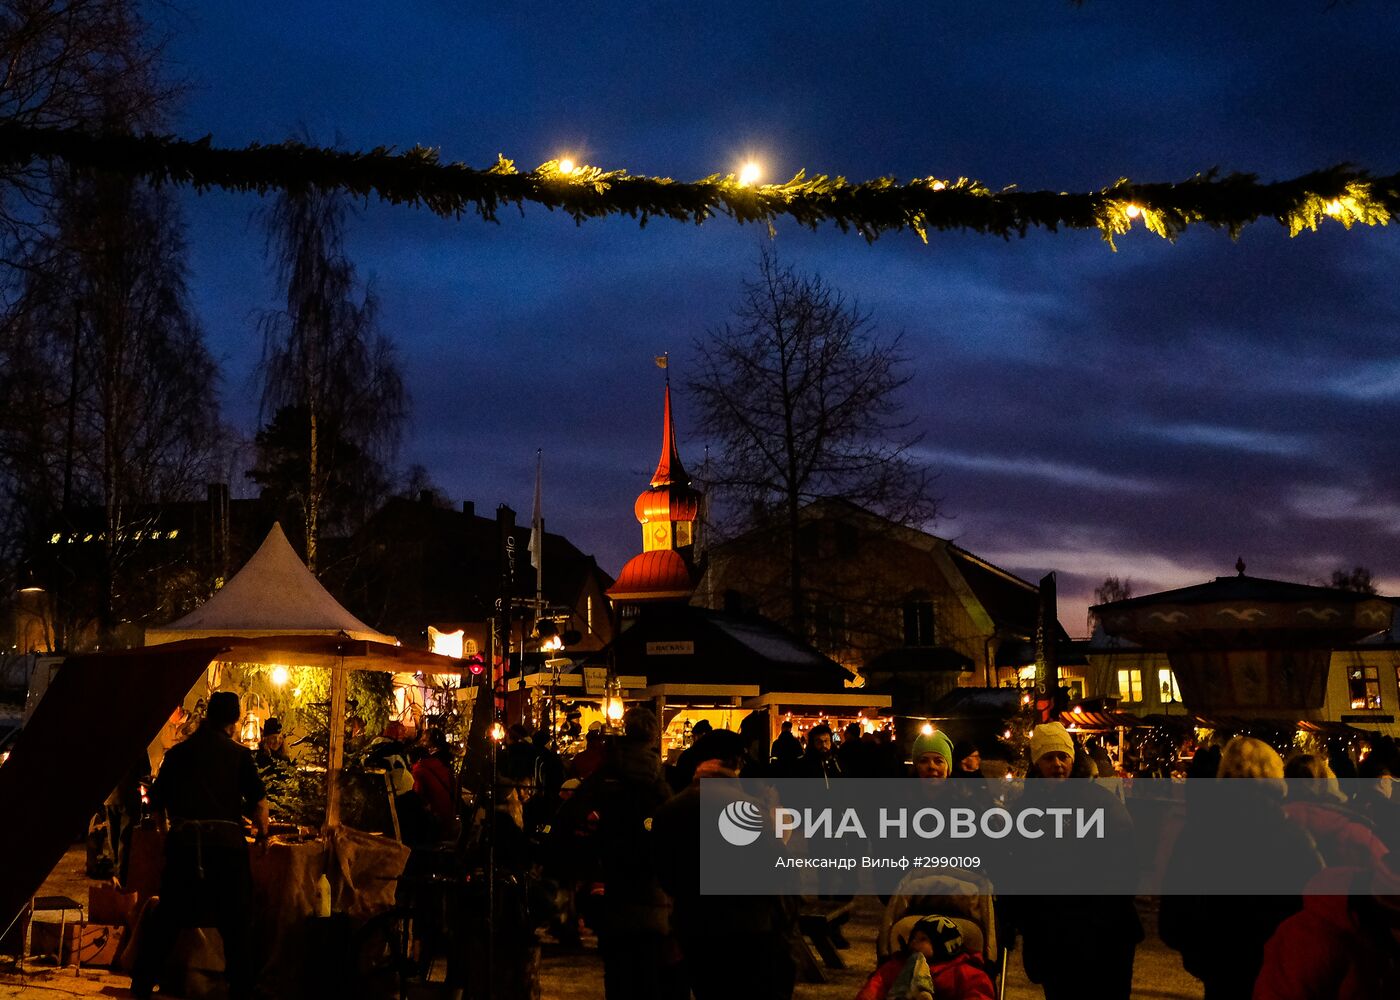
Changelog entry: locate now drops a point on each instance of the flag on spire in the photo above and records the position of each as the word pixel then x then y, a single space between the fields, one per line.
pixel 663 360
pixel 537 522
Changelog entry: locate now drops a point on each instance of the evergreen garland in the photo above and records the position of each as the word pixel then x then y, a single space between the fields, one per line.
pixel 872 208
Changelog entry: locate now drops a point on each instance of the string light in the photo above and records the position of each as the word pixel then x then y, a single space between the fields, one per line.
pixel 1132 211
pixel 749 174
pixel 280 675
pixel 566 166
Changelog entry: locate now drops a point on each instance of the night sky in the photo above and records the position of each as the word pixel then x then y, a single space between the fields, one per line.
pixel 1152 413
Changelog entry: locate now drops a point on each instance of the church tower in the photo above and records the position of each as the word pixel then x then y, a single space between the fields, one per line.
pixel 667 510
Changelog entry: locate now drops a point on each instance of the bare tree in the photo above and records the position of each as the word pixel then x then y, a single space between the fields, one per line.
pixel 1358 578
pixel 333 400
pixel 89 64
pixel 109 398
pixel 799 398
pixel 1112 589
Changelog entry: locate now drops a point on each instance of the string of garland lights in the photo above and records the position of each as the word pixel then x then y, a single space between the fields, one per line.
pixel 872 208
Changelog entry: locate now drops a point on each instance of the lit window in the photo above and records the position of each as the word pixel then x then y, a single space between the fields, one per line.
pixel 1365 687
pixel 1130 685
pixel 1166 683
pixel 588 612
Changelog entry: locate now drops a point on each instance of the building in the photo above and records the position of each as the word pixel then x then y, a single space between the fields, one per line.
pixel 1242 649
pixel 420 565
pixel 97 577
pixel 907 612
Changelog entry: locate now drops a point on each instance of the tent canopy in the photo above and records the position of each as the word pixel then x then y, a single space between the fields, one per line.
pixel 273 594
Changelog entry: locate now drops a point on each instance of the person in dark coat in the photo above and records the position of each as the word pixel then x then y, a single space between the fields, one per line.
pixel 734 947
pixel 1110 921
pixel 967 760
pixel 684 771
pixel 820 760
pixel 786 750
pixel 206 787
pixel 1239 836
pixel 608 818
pixel 1376 800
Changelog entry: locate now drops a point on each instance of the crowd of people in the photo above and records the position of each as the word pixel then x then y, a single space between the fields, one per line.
pixel 611 837
pixel 621 834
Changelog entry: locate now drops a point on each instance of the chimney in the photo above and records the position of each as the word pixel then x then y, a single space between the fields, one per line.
pixel 469 508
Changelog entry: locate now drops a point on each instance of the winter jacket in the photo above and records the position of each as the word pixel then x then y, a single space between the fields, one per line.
pixel 1332 949
pixel 605 828
pixel 1343 838
pixel 1110 919
pixel 960 978
pixel 1221 937
pixel 433 781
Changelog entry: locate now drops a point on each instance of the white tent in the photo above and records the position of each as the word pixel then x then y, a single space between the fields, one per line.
pixel 273 594
pixel 274 610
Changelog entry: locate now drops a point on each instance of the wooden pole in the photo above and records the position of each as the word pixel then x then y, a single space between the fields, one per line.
pixel 335 755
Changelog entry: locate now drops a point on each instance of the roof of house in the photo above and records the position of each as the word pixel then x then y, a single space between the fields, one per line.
pixel 722 648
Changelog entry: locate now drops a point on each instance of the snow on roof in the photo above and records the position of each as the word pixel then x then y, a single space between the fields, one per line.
pixel 273 594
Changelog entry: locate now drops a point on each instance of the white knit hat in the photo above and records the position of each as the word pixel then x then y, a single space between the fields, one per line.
pixel 1049 737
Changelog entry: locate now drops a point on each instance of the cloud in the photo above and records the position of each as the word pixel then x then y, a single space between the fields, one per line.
pixel 1037 468
pixel 1234 438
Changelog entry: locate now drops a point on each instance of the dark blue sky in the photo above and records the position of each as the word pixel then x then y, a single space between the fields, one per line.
pixel 1151 413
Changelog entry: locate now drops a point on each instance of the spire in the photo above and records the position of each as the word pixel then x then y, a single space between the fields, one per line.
pixel 669 471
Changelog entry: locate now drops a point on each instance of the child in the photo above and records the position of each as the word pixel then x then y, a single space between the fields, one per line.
pixel 934 965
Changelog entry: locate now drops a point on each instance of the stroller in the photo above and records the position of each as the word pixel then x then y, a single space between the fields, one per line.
pixel 963 896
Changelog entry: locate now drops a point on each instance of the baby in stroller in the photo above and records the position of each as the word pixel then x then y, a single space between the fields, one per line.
pixel 933 964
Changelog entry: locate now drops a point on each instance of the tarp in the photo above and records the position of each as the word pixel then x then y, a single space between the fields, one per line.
pixel 274 593
pixel 99 714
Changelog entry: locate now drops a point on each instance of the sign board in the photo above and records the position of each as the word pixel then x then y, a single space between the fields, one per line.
pixel 677 648
pixel 595 680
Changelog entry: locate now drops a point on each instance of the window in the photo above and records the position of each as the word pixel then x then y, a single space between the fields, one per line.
pixel 919 623
pixel 847 539
pixel 1365 685
pixel 1130 685
pixel 829 626
pixel 1166 683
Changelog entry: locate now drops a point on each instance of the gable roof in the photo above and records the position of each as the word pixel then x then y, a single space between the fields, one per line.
pixel 273 594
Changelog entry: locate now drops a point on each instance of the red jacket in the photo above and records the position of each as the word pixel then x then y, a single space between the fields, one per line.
pixel 1341 837
pixel 1327 951
pixel 961 978
pixel 432 780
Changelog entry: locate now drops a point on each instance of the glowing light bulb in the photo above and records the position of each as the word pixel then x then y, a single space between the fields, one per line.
pixel 939 185
pixel 498 731
pixel 280 675
pixel 1333 208
pixel 566 166
pixel 615 709
pixel 926 729
pixel 1133 211
pixel 749 174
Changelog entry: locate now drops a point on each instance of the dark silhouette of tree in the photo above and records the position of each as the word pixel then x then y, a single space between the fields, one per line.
pixel 1358 578
pixel 799 399
pixel 69 64
pixel 108 396
pixel 1112 589
pixel 326 364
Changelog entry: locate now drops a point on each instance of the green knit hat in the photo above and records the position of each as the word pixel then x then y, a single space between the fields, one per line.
pixel 935 742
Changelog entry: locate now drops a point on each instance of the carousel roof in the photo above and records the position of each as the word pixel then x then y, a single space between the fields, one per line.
pixel 273 594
